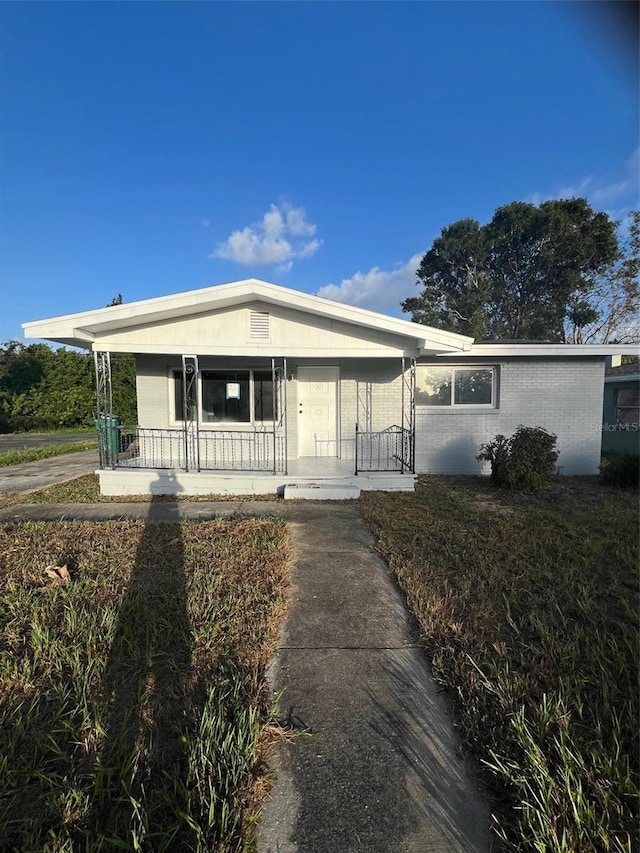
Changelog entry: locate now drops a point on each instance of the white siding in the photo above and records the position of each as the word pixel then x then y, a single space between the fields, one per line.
pixel 562 395
pixel 228 332
pixel 154 389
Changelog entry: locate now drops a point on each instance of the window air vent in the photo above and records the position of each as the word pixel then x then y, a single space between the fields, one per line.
pixel 259 325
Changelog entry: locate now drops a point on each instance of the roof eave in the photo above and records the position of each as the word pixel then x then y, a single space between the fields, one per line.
pixel 87 326
pixel 561 350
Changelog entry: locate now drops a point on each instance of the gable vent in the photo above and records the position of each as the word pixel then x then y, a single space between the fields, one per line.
pixel 259 325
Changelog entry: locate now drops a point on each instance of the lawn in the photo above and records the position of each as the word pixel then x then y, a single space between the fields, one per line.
pixel 86 489
pixel 133 704
pixel 528 607
pixel 47 451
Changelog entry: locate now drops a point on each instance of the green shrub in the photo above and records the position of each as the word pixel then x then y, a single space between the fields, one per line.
pixel 622 471
pixel 524 462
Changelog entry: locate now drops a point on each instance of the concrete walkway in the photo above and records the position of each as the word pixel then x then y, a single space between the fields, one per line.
pixel 30 476
pixel 380 772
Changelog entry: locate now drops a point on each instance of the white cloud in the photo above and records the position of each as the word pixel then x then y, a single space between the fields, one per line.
pixel 613 194
pixel 377 289
pixel 278 238
pixel 297 224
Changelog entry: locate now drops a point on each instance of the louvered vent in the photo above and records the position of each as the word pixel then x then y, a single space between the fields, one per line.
pixel 259 325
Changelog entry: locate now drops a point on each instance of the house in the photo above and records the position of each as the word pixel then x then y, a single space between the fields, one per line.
pixel 620 421
pixel 251 387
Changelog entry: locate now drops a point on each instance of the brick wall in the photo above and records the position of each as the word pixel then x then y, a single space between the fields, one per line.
pixel 562 395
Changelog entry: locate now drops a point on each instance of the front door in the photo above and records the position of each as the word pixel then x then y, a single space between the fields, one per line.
pixel 317 411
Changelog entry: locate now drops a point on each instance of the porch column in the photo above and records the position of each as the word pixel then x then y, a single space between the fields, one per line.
pixel 190 371
pixel 408 404
pixel 104 410
pixel 280 428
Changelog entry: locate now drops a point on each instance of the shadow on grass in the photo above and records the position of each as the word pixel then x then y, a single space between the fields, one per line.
pixel 145 692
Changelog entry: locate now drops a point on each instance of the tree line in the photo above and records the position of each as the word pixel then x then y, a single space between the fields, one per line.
pixel 42 388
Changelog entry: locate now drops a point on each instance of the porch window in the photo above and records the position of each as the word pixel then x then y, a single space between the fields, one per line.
pixel 240 397
pixel 179 397
pixel 263 396
pixel 455 386
pixel 225 397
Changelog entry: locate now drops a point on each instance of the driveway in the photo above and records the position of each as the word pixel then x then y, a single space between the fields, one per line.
pixel 30 476
pixel 20 441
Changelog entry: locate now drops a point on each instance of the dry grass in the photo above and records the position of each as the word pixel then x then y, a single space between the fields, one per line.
pixel 132 698
pixel 86 489
pixel 528 606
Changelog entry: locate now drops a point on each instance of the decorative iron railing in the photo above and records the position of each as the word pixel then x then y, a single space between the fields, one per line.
pixel 144 447
pixel 232 450
pixel 390 449
pixel 197 450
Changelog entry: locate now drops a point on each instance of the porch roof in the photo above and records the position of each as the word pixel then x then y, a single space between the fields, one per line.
pixel 86 329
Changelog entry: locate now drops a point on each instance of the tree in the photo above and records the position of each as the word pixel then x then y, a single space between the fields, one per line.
pixel 459 281
pixel 608 311
pixel 524 275
pixel 43 388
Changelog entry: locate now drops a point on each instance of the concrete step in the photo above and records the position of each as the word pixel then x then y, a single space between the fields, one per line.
pixel 323 491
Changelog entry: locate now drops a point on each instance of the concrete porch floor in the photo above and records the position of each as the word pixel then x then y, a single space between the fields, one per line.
pixel 316 471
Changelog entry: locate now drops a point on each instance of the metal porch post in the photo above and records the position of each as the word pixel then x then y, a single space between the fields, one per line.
pixel 279 385
pixel 190 406
pixel 104 408
pixel 408 411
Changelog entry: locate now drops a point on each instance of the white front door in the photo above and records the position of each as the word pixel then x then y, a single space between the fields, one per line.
pixel 317 411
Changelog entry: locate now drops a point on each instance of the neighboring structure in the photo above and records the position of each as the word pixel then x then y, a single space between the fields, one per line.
pixel 249 387
pixel 620 421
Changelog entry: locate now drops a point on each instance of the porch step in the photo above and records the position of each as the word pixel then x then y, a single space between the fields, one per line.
pixel 321 491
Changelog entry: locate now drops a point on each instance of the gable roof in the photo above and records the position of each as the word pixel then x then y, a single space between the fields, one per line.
pixel 85 328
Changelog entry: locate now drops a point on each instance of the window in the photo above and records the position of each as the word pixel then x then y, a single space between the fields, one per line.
pixel 627 406
pixel 455 386
pixel 229 396
pixel 263 396
pixel 225 397
pixel 179 397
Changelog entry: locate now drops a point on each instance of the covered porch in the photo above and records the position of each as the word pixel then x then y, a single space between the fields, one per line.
pixel 263 455
pixel 252 387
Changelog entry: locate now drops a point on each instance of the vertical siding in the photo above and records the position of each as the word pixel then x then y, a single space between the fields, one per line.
pixel 563 396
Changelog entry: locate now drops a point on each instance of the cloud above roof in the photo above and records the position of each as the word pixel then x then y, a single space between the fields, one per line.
pixel 616 193
pixel 282 235
pixel 378 289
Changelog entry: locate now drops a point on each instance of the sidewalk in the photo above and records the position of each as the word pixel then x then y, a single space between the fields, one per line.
pixel 380 773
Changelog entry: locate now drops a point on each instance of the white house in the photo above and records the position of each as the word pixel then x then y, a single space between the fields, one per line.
pixel 250 387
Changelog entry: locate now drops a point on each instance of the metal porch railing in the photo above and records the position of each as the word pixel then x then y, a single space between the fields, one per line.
pixel 199 450
pixel 390 449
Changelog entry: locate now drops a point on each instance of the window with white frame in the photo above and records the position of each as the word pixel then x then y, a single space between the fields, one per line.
pixel 230 396
pixel 455 387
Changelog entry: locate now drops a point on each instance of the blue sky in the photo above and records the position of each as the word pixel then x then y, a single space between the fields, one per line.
pixel 149 148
